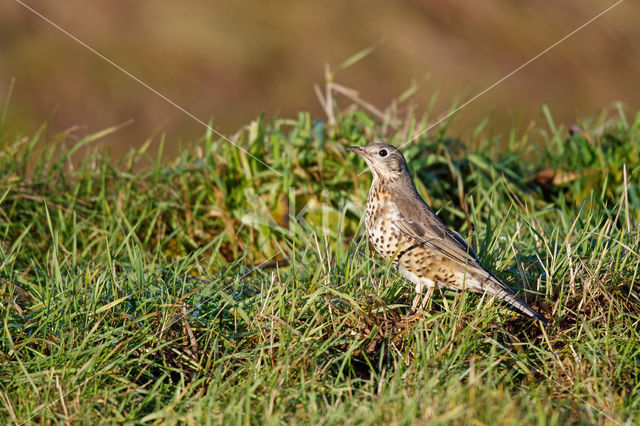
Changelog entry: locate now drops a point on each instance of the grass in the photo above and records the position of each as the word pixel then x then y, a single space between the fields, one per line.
pixel 208 289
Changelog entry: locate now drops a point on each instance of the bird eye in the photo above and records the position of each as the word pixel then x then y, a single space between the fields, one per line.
pixel 383 153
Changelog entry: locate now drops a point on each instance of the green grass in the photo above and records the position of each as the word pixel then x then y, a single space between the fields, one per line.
pixel 209 289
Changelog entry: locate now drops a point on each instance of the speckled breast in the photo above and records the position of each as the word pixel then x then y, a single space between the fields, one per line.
pixel 386 240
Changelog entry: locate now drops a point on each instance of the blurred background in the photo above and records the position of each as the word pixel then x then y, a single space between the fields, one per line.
pixel 230 61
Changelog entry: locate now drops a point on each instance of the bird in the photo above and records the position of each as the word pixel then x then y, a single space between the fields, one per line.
pixel 403 228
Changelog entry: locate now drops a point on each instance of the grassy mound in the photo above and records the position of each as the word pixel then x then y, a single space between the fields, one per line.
pixel 213 288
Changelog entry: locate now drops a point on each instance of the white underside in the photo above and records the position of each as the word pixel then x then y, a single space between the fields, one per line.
pixel 423 284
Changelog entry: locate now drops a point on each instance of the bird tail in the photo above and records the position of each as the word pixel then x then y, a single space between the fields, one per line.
pixel 503 292
pixel 523 307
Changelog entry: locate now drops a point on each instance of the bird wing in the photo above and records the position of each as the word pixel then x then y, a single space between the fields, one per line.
pixel 451 245
pixel 416 220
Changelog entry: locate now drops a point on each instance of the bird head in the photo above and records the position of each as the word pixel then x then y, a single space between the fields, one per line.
pixel 386 162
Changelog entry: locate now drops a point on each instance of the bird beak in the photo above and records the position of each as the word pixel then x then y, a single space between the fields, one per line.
pixel 356 149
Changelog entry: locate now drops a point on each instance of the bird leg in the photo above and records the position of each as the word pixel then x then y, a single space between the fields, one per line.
pixel 416 300
pixel 423 301
pixel 427 297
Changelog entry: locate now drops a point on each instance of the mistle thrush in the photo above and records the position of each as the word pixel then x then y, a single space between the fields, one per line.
pixel 402 227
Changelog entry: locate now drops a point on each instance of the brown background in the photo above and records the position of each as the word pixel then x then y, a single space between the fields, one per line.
pixel 232 60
